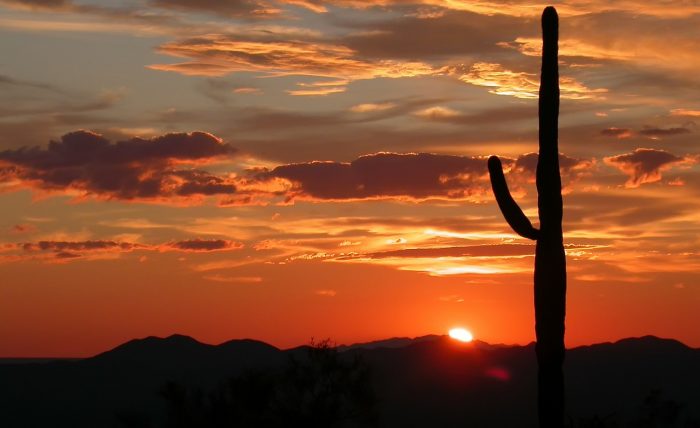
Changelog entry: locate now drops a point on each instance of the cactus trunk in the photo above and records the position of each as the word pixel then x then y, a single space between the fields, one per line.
pixel 550 261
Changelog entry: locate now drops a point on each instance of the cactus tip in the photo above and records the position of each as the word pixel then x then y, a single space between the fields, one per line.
pixel 549 13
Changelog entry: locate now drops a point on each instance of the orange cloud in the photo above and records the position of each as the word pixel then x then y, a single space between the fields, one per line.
pixel 685 112
pixel 437 113
pixel 247 90
pixel 570 48
pixel 218 55
pixel 520 8
pixel 372 107
pixel 320 88
pixel 519 84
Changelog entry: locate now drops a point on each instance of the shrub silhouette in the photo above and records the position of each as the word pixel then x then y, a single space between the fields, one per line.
pixel 656 411
pixel 550 261
pixel 318 390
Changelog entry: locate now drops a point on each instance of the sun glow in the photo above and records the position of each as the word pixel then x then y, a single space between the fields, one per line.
pixel 461 334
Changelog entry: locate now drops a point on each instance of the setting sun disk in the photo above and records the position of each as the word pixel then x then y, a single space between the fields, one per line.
pixel 461 334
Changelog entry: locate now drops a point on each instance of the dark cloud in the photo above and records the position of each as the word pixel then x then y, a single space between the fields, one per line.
pixel 66 255
pixel 398 176
pixel 80 246
pixel 131 169
pixel 651 131
pixel 203 245
pixel 645 165
pixel 414 176
pixel 85 249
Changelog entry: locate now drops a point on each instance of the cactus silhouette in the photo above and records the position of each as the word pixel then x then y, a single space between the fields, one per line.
pixel 550 261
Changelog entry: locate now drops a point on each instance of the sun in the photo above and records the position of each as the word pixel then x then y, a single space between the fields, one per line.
pixel 461 334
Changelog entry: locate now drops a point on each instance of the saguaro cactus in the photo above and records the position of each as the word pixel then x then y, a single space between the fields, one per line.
pixel 550 261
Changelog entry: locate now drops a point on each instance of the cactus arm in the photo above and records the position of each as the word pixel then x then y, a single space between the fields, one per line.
pixel 510 209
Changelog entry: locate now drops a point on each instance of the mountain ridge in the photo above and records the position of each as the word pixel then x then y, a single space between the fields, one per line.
pixel 426 381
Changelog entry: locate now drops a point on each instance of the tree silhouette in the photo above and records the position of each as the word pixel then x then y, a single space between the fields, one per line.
pixel 318 389
pixel 550 260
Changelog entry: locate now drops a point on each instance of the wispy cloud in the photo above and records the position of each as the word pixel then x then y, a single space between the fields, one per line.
pixel 520 84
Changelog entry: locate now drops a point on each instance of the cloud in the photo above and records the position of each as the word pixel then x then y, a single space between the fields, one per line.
pixel 620 133
pixel 647 131
pixel 72 250
pixel 520 8
pixel 218 55
pixel 102 248
pixel 438 113
pixel 372 107
pixel 519 84
pixel 646 165
pixel 164 169
pixel 137 169
pixel 65 246
pixel 412 176
pixel 203 245
pixel 246 90
pixel 651 131
pixel 320 88
pixel 685 112
pixel 495 250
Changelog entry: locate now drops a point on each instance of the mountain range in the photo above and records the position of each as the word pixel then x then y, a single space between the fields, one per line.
pixel 430 381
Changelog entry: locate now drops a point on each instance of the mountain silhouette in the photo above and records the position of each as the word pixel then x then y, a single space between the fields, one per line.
pixel 426 381
pixel 180 351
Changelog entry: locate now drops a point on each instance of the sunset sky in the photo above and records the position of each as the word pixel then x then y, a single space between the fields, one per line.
pixel 289 169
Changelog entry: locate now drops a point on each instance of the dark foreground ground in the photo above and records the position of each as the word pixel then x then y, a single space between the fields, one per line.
pixel 425 382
